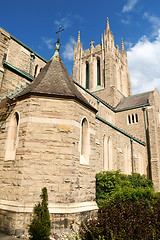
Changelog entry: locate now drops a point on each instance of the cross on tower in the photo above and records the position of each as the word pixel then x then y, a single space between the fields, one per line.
pixel 60 30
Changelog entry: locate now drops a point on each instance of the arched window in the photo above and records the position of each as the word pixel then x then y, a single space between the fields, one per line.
pixel 87 75
pixel 98 73
pixel 85 143
pixel 12 138
pixel 136 115
pixel 107 154
pixel 127 158
pixel 35 71
pixel 132 118
pixel 129 119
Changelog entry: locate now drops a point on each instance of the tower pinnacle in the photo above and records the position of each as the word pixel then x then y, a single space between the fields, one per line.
pixel 78 40
pixel 107 25
pixel 122 45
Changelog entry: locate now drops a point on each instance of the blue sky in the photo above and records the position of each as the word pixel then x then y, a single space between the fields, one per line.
pixel 136 21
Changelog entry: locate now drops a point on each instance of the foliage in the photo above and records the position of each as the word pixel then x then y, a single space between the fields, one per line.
pixel 129 209
pixel 125 220
pixel 40 227
pixel 111 186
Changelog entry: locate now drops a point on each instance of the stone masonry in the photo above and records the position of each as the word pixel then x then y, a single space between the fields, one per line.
pixel 56 133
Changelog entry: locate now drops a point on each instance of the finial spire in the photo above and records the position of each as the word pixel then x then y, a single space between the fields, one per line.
pixel 56 51
pixel 107 26
pixel 122 45
pixel 59 31
pixel 78 41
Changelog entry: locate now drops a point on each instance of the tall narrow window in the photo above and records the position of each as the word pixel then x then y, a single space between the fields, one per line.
pixel 136 117
pixel 87 75
pixel 107 154
pixel 85 144
pixel 132 118
pixel 129 119
pixel 98 72
pixel 35 71
pixel 12 138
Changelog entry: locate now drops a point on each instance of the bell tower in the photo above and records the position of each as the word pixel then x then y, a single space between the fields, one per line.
pixel 103 69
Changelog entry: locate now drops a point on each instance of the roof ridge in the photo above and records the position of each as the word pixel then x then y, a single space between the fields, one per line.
pixel 137 94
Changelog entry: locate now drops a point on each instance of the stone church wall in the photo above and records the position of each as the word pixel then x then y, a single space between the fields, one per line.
pixel 135 128
pixel 48 155
pixel 19 56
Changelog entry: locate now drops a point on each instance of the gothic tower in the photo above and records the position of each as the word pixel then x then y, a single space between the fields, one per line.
pixel 103 69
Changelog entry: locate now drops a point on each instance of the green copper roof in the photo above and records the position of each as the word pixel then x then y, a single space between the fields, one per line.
pixel 127 103
pixel 18 71
pixel 22 44
pixel 120 130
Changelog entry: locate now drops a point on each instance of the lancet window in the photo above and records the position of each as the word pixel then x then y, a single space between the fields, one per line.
pixel 85 144
pixel 98 72
pixel 35 71
pixel 132 118
pixel 12 138
pixel 87 75
pixel 107 154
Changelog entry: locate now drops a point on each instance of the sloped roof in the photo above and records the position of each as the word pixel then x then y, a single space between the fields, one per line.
pixel 54 80
pixel 133 101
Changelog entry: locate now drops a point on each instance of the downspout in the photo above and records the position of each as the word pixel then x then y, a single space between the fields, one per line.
pixel 98 107
pixel 32 59
pixel 132 155
pixel 147 143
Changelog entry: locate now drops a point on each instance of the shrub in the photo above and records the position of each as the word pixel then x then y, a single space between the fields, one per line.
pixel 111 186
pixel 124 220
pixel 40 227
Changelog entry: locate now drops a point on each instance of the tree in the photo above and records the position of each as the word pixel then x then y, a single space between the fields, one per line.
pixel 40 227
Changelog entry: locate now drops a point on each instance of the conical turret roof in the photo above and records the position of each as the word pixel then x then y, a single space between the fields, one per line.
pixel 54 80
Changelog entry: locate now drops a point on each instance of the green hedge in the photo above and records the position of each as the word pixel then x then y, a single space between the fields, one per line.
pixel 111 186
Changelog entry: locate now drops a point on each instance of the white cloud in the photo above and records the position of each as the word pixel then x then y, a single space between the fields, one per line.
pixel 64 22
pixel 143 62
pixel 69 49
pixel 127 20
pixel 129 6
pixel 49 42
pixel 154 20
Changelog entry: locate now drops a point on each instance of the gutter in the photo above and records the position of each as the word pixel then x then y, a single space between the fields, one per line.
pixel 138 106
pixel 107 105
pixel 148 144
pixel 98 99
pixel 18 71
pixel 120 130
pixel 22 44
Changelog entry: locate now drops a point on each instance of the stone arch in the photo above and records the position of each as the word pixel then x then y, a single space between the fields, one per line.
pixel 12 137
pixel 85 142
pixel 107 153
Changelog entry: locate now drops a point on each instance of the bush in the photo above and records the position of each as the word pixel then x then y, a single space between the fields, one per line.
pixel 113 186
pixel 40 227
pixel 125 220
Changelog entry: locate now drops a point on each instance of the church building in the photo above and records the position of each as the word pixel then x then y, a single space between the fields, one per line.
pixel 58 132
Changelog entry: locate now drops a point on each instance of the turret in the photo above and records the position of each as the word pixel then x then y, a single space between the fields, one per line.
pixel 122 45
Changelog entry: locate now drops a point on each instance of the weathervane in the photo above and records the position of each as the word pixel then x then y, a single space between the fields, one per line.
pixel 56 51
pixel 59 31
